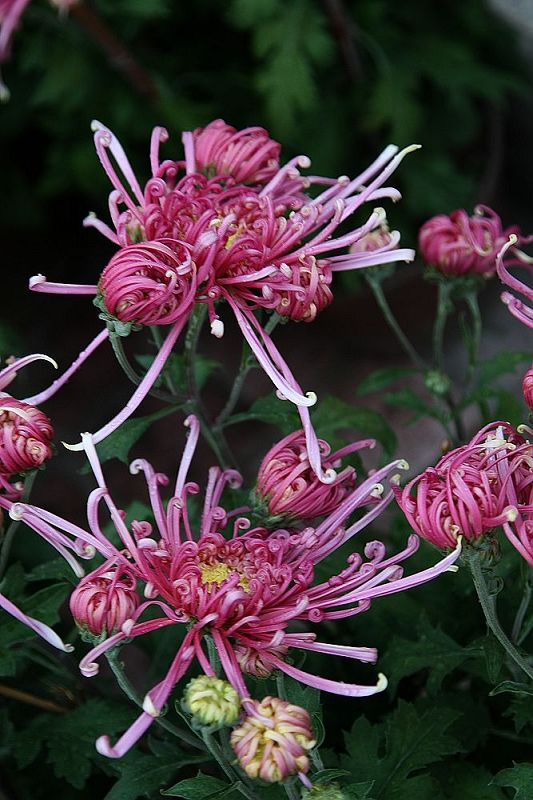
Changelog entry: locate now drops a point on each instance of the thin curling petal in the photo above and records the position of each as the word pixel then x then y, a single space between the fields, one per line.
pixel 42 630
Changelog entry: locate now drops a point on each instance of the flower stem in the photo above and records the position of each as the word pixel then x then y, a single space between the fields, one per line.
pixel 129 371
pixel 212 434
pixel 248 362
pixel 131 694
pixel 522 609
pixel 381 300
pixel 444 306
pixel 14 524
pixel 489 610
pixel 216 751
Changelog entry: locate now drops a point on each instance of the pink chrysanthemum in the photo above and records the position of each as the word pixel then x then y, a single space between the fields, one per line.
pixel 456 244
pixel 472 490
pixel 527 388
pixel 273 740
pixel 288 487
pixel 103 601
pixel 518 308
pixel 248 156
pixel 249 235
pixel 243 587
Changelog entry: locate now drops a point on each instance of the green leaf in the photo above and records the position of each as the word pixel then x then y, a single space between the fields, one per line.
pixel 521 709
pixel 56 569
pixel 500 364
pixel 513 687
pixel 380 378
pixel 199 788
pixel 406 398
pixel 331 415
pixel 44 605
pixel 358 791
pixel 271 410
pixel 145 774
pixel 467 782
pixel 119 443
pixel 432 649
pixel 520 778
pixel 407 742
pixel 7 732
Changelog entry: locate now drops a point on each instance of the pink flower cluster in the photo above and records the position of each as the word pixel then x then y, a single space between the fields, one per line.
pixel 475 488
pixel 229 225
pixel 243 586
pixel 456 244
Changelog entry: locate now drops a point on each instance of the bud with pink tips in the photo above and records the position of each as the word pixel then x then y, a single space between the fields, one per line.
pixel 289 489
pixel 104 600
pixel 273 741
pixel 248 156
pixel 457 244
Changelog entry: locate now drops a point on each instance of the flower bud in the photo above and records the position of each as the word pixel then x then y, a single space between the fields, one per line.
pixel 212 701
pixel 150 283
pixel 457 244
pixel 256 662
pixel 378 239
pixel 249 156
pixel 273 740
pixel 103 601
pixel 309 291
pixel 26 434
pixel 527 388
pixel 288 486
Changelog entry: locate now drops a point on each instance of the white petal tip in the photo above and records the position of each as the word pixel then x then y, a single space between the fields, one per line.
pixel 35 280
pixel 217 328
pixel 149 708
pixel 403 464
pixel 382 683
pixel 74 447
pixel 453 568
pixel 311 397
pixel 103 747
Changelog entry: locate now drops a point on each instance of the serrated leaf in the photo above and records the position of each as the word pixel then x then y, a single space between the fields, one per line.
pixel 380 378
pixel 56 569
pixel 304 696
pixel 520 778
pixel 467 782
pixel 145 774
pixel 358 791
pixel 119 443
pixel 331 415
pixel 6 733
pixel 513 687
pixel 521 709
pixel 432 649
pixel 201 787
pixel 175 369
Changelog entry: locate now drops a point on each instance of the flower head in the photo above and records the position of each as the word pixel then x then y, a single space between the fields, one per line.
pixel 527 388
pixel 248 156
pixel 229 225
pixel 288 487
pixel 103 601
pixel 456 244
pixel 273 740
pixel 243 586
pixel 212 701
pixel 25 437
pixel 474 489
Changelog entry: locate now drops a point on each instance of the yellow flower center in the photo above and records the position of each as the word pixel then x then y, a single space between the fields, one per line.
pixel 217 572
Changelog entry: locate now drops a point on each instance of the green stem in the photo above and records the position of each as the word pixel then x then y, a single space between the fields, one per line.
pixel 216 751
pixel 444 307
pixel 291 791
pixel 489 610
pixel 522 609
pixel 129 371
pixel 381 300
pixel 473 344
pixel 14 524
pixel 131 694
pixel 211 433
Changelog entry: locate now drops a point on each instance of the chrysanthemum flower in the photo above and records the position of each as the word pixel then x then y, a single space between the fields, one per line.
pixel 243 587
pixel 518 308
pixel 456 244
pixel 288 488
pixel 274 739
pixel 474 489
pixel 103 601
pixel 229 224
pixel 527 388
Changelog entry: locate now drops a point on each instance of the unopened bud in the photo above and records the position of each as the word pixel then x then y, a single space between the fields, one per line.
pixel 212 701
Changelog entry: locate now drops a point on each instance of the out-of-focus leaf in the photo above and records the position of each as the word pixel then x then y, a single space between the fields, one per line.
pixel 381 378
